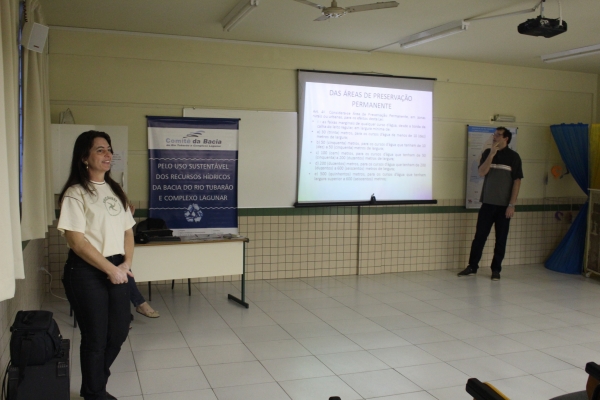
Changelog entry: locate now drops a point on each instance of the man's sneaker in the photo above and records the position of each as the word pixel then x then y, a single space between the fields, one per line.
pixel 467 271
pixel 495 276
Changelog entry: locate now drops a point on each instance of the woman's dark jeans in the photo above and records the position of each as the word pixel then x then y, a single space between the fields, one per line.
pixel 136 296
pixel 102 312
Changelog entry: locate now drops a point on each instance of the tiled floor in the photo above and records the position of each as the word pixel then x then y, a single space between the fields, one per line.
pixel 406 336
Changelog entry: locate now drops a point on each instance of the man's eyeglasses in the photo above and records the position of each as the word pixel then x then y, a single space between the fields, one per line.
pixel 497 135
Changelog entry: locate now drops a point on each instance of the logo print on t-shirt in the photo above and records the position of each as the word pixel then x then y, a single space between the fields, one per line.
pixel 112 205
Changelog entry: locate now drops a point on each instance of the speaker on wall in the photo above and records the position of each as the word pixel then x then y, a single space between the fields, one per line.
pixel 34 36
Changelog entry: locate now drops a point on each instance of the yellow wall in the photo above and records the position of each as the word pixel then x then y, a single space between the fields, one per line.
pixel 118 79
pixel 598 102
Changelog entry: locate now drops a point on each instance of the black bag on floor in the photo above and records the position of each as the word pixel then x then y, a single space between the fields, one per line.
pixel 49 381
pixel 35 339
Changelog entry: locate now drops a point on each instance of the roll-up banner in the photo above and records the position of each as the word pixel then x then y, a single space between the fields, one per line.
pixel 479 138
pixel 193 174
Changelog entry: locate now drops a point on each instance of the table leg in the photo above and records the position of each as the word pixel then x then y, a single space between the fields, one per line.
pixel 149 291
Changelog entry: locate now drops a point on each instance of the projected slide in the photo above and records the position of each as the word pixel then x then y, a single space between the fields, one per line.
pixel 358 141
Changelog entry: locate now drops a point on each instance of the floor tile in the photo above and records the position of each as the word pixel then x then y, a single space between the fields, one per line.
pixel 261 391
pixel 238 321
pixel 359 299
pixel 497 344
pixel 141 325
pixel 377 310
pixel 434 376
pixel 475 314
pixel 310 293
pixel 465 330
pixel 309 329
pixel 361 325
pixel 172 380
pixel 576 355
pixel 449 393
pixel 213 337
pixel 352 362
pixel 576 318
pixel 392 322
pixel 407 396
pixel 425 334
pixel 318 303
pixel 438 318
pixel 287 369
pixel 511 311
pixel 538 339
pixel 317 388
pixel 204 394
pixel 379 383
pixel 165 358
pixel 449 304
pixel 531 336
pixel 534 361
pixel 504 326
pixel 404 356
pixel 541 322
pixel 261 333
pixel 329 344
pixel 122 384
pixel 277 349
pixel 570 380
pixel 377 340
pixel 279 305
pixel 337 313
pixel 575 334
pixel 452 350
pixel 236 374
pixel 392 297
pixel 227 353
pixel 414 306
pixel 205 323
pixel 487 368
pixel 157 341
pixel 294 316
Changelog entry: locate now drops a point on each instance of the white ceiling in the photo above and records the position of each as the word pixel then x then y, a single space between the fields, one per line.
pixel 289 22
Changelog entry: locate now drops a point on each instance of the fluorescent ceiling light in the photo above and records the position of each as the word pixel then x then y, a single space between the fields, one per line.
pixel 574 53
pixel 239 12
pixel 430 35
pixel 507 14
pixel 503 118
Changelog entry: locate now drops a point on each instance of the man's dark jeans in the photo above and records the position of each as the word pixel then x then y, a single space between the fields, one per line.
pixel 102 312
pixel 490 215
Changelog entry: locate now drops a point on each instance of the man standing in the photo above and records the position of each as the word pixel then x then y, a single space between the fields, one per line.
pixel 503 172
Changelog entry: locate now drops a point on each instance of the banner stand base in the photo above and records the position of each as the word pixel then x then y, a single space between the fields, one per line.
pixel 243 299
pixel 241 302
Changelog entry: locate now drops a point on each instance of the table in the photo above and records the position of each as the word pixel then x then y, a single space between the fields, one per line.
pixel 157 261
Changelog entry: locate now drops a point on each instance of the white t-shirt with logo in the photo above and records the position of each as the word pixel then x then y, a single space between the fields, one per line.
pixel 101 217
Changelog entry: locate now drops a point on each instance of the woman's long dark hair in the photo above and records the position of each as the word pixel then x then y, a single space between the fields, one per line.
pixel 79 173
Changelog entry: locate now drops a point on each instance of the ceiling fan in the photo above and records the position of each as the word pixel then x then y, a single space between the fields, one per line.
pixel 335 12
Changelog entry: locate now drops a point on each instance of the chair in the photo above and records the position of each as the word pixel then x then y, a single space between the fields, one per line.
pixel 485 391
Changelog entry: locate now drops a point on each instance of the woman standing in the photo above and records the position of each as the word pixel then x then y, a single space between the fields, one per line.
pixel 96 221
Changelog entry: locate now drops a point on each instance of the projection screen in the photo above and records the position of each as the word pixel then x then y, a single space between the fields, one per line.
pixel 364 138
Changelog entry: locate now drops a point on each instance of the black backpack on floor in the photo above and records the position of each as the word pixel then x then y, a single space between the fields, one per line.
pixel 35 339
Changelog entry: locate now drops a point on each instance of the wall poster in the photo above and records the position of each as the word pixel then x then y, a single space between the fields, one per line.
pixel 193 174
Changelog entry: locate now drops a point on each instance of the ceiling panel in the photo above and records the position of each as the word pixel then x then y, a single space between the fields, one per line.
pixel 290 22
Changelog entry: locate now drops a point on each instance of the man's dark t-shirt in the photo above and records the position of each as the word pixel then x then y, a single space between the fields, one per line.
pixel 505 168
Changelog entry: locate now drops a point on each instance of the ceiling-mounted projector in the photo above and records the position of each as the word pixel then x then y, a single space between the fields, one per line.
pixel 541 26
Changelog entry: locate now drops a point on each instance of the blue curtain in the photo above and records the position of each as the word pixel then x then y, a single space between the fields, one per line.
pixel 572 142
